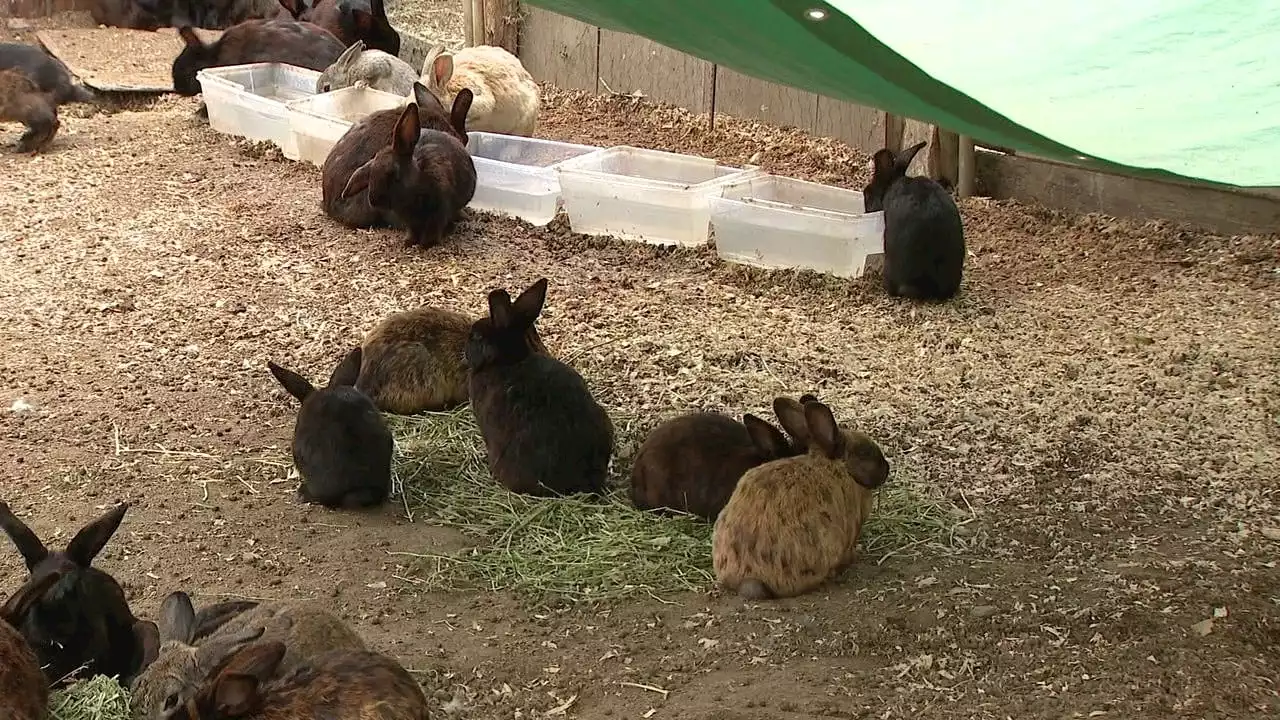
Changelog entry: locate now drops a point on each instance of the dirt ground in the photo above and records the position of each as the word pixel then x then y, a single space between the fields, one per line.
pixel 1101 401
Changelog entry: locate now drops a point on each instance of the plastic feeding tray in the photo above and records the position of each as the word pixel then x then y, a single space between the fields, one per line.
pixel 249 100
pixel 777 222
pixel 318 122
pixel 517 175
pixel 657 197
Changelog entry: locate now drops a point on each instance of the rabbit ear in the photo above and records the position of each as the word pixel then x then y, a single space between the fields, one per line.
pixel 791 414
pixel 33 551
pixel 148 637
pixel 235 694
pixel 295 8
pixel 91 538
pixel 500 309
pixel 293 383
pixel 425 98
pixel 178 618
pixel 904 158
pixel 190 37
pixel 378 8
pixel 32 590
pixel 824 430
pixel 766 436
pixel 441 70
pixel 529 305
pixel 359 181
pixel 408 130
pixel 259 660
pixel 349 55
pixel 458 115
pixel 210 618
pixel 348 370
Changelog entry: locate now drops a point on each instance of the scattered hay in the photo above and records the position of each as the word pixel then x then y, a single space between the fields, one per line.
pixel 99 698
pixel 580 548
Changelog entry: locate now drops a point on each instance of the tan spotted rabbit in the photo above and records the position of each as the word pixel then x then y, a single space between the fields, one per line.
pixel 506 97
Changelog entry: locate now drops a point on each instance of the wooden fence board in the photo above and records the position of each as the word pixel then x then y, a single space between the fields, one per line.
pixel 860 126
pixel 559 50
pixel 746 97
pixel 629 63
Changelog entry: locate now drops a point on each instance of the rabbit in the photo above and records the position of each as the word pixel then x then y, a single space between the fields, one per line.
pixel 544 432
pixel 359 145
pixel 280 40
pixel 341 445
pixel 423 179
pixel 21 101
pixel 412 361
pixel 207 14
pixel 692 463
pixel 307 632
pixel 368 68
pixel 125 14
pixel 923 236
pixel 181 663
pixel 209 619
pixel 506 96
pixel 50 76
pixel 352 20
pixel 22 684
pixel 82 621
pixel 338 684
pixel 792 524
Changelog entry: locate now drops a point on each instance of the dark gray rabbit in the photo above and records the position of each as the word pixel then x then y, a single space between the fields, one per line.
pixel 47 72
pixel 341 445
pixel 543 431
pixel 279 40
pixel 82 624
pixel 923 235
pixel 692 463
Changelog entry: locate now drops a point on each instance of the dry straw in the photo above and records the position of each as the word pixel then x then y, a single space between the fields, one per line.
pixel 579 548
pixel 99 698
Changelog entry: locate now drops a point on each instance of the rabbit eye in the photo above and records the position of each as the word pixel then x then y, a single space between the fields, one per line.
pixel 170 702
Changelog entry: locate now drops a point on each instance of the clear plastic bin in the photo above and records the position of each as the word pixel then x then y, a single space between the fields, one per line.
pixel 517 175
pixel 318 122
pixel 779 222
pixel 249 100
pixel 647 195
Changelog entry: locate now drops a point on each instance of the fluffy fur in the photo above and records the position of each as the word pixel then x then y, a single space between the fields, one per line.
pixel 21 101
pixel 793 523
pixel 413 361
pixel 924 246
pixel 47 72
pixel 281 40
pixel 543 431
pixel 506 96
pixel 358 67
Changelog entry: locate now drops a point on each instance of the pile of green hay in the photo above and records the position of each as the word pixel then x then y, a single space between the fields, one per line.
pixel 100 698
pixel 578 548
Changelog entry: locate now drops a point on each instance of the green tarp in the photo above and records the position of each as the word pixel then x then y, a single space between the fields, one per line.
pixel 1157 88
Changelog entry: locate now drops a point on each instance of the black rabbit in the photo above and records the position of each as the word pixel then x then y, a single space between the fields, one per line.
pixel 543 431
pixel 279 40
pixel 47 72
pixel 82 624
pixel 341 445
pixel 923 235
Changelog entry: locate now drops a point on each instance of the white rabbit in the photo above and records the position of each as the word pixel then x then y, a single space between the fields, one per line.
pixel 506 97
pixel 375 69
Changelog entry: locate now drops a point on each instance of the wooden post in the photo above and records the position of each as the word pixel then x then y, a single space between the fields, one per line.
pixel 469 22
pixel 500 21
pixel 966 170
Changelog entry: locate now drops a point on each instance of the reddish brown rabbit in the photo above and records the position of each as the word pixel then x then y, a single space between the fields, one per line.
pixel 363 141
pixel 24 692
pixel 794 523
pixel 340 684
pixel 693 462
pixel 423 179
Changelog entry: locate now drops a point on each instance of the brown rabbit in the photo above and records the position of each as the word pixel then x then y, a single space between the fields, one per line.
pixel 693 462
pixel 794 523
pixel 341 684
pixel 423 179
pixel 182 663
pixel 362 142
pixel 279 40
pixel 23 688
pixel 21 101
pixel 306 628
